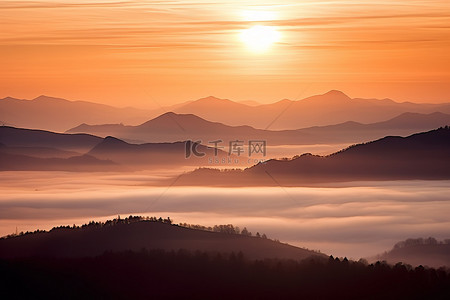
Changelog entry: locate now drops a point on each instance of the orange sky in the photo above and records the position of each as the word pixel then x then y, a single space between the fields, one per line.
pixel 141 53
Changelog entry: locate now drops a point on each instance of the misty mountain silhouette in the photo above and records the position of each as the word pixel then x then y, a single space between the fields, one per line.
pixel 333 107
pixel 152 154
pixel 171 127
pixel 419 156
pixel 249 102
pixel 330 108
pixel 29 149
pixel 135 236
pixel 404 124
pixel 427 252
pixel 330 97
pixel 20 137
pixel 58 114
pixel 20 162
pixel 43 150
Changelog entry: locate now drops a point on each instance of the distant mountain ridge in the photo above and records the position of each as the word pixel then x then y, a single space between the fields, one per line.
pixel 27 149
pixel 81 163
pixel 147 155
pixel 419 156
pixel 59 114
pixel 333 107
pixel 21 137
pixel 171 127
pixel 330 108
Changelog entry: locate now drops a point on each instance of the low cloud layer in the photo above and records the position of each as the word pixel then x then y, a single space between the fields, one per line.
pixel 354 221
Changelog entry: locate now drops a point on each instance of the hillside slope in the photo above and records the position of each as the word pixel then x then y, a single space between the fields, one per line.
pixel 419 156
pixel 95 240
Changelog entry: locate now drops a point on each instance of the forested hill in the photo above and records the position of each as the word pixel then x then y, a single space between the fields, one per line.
pixel 136 233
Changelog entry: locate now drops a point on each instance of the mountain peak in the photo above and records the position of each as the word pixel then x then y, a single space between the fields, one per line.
pixel 210 98
pixel 112 140
pixel 215 100
pixel 174 116
pixel 174 120
pixel 41 97
pixel 330 97
pixel 49 98
pixel 8 98
pixel 169 114
pixel 107 144
pixel 336 93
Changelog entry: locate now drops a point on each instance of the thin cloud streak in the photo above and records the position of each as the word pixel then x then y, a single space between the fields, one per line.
pixel 320 41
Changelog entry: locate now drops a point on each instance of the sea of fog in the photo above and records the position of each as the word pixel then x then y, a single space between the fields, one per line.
pixel 354 220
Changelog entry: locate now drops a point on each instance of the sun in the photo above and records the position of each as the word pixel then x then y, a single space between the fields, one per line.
pixel 259 38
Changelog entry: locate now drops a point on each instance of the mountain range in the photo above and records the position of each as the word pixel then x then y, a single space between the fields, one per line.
pixel 27 149
pixel 150 155
pixel 333 107
pixel 419 156
pixel 26 138
pixel 330 108
pixel 172 127
pixel 56 114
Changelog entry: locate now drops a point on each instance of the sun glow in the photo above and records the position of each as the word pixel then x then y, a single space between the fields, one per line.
pixel 259 38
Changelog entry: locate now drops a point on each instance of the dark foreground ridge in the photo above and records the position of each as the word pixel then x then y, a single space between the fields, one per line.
pixel 159 274
pixel 151 258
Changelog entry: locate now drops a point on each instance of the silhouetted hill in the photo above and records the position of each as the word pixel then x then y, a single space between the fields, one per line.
pixel 332 97
pixel 419 156
pixel 42 152
pixel 402 125
pixel 410 120
pixel 20 162
pixel 38 150
pixel 426 252
pixel 26 149
pixel 58 114
pixel 171 127
pixel 152 154
pixel 134 236
pixel 20 137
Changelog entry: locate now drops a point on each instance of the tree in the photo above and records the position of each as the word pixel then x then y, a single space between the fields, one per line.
pixel 246 232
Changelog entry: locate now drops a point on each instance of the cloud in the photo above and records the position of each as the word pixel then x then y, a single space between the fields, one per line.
pixel 59 4
pixel 344 220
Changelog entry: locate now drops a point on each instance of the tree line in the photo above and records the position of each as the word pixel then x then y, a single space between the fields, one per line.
pixel 157 274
